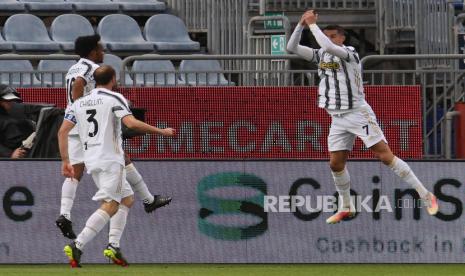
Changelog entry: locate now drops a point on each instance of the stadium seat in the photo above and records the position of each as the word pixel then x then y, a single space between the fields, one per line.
pixel 5 46
pixel 12 6
pixel 172 39
pixel 94 6
pixel 116 62
pixel 154 73
pixel 28 33
pixel 120 33
pixel 208 73
pixel 149 6
pixel 52 73
pixel 47 5
pixel 17 73
pixel 67 27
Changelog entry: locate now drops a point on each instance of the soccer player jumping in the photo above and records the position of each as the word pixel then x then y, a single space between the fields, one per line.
pixel 97 118
pixel 79 82
pixel 341 94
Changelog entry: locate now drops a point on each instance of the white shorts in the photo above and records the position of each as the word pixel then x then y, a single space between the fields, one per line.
pixel 347 126
pixel 75 150
pixel 111 184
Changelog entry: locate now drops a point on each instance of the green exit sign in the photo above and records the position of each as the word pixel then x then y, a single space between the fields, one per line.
pixel 278 44
pixel 274 24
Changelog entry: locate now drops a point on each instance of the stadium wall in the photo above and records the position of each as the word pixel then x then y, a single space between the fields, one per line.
pixel 255 122
pixel 218 215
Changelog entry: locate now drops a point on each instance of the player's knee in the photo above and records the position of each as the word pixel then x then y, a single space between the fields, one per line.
pixel 128 201
pixel 336 166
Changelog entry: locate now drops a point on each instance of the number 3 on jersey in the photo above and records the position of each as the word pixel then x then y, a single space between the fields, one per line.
pixel 91 119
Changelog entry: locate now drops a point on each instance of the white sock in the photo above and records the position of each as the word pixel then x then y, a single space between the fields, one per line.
pixel 342 182
pixel 94 225
pixel 117 224
pixel 403 170
pixel 138 184
pixel 68 192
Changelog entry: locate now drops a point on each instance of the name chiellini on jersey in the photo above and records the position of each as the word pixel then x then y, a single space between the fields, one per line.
pixel 97 117
pixel 341 85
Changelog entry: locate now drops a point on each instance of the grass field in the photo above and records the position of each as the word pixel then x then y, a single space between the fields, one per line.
pixel 252 269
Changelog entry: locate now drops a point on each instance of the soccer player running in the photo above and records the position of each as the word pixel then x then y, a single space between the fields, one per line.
pixel 79 82
pixel 341 95
pixel 97 117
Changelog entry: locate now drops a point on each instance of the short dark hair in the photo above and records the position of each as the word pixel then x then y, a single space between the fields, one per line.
pixel 338 28
pixel 104 74
pixel 83 45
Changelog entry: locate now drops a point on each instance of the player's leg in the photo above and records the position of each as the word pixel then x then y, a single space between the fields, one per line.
pixel 365 126
pixel 117 225
pixel 340 143
pixel 94 225
pixel 109 184
pixel 403 170
pixel 151 202
pixel 69 187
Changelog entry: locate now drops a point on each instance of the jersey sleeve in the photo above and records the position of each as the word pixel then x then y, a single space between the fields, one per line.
pixel 87 72
pixel 121 107
pixel 70 115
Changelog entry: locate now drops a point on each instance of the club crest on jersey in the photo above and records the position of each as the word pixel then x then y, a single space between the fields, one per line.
pixel 330 65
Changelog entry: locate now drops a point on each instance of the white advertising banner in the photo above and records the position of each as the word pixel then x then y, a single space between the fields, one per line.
pixel 244 212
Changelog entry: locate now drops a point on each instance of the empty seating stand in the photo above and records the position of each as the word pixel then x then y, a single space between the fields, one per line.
pixel 202 73
pixel 155 73
pixel 67 27
pixel 141 6
pixel 27 33
pixel 116 62
pixel 120 33
pixel 47 5
pixel 17 73
pixel 52 73
pixel 85 6
pixel 169 34
pixel 5 46
pixel 11 6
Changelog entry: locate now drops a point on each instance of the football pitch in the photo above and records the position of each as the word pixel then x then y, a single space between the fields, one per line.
pixel 240 269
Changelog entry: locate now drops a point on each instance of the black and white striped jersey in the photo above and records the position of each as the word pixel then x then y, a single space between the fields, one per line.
pixel 340 85
pixel 84 68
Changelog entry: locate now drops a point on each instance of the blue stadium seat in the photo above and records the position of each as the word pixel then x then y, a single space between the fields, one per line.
pixel 116 62
pixel 5 46
pixel 12 6
pixel 47 5
pixel 28 33
pixel 208 73
pixel 120 33
pixel 148 6
pixel 169 34
pixel 52 73
pixel 17 73
pixel 67 27
pixel 94 6
pixel 154 73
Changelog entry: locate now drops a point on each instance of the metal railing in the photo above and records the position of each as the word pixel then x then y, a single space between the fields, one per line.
pixel 424 24
pixel 440 89
pixel 301 5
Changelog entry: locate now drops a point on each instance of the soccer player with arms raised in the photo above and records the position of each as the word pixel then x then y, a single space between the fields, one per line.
pixel 80 82
pixel 97 119
pixel 341 94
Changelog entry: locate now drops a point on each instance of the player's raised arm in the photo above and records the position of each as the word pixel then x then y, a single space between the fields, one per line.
pixel 131 122
pixel 332 46
pixel 293 46
pixel 66 126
